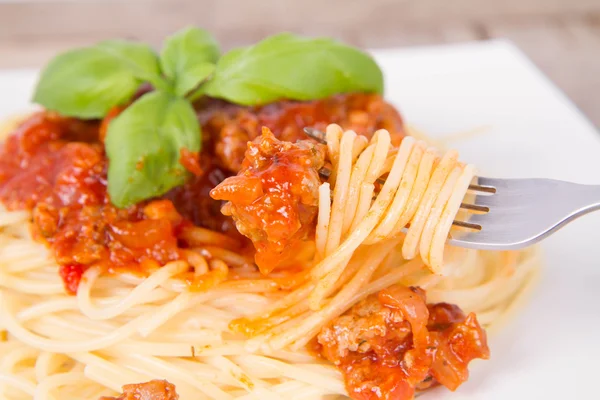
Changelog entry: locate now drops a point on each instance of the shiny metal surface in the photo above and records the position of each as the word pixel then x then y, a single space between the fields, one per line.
pixel 525 211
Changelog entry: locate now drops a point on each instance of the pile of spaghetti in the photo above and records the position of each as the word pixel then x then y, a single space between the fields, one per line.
pixel 260 278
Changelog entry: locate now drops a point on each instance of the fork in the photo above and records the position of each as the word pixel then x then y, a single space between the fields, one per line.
pixel 510 214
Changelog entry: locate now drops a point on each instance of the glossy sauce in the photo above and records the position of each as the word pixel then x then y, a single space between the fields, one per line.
pixel 56 167
pixel 387 347
pixel 274 197
pixel 230 127
pixel 391 344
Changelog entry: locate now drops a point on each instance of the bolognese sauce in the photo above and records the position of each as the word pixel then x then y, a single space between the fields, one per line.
pixel 391 344
pixel 274 197
pixel 387 346
pixel 56 167
pixel 230 126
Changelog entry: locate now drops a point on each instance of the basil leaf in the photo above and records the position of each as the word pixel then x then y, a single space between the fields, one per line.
pixel 292 67
pixel 143 146
pixel 193 77
pixel 187 58
pixel 140 58
pixel 85 83
pixel 198 74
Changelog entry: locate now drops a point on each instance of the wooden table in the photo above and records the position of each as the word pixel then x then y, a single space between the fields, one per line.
pixel 561 36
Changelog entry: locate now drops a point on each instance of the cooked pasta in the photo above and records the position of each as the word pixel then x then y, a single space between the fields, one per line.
pixel 216 327
pixel 361 249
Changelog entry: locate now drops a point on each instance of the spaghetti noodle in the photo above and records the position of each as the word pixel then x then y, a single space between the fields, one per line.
pixel 188 320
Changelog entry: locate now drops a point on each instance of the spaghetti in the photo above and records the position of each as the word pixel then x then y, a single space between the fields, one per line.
pixel 358 235
pixel 214 326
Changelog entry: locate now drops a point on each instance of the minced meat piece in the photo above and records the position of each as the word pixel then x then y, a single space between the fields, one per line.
pixel 392 343
pixel 274 198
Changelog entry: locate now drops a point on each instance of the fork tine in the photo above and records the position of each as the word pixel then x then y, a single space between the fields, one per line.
pixel 481 188
pixel 474 207
pixel 315 134
pixel 468 225
pixel 485 185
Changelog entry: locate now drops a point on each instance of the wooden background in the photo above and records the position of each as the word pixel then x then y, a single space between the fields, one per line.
pixel 561 36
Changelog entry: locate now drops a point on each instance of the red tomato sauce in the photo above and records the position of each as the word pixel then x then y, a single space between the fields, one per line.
pixel 56 167
pixel 387 347
pixel 53 166
pixel 230 126
pixel 274 197
pixel 392 344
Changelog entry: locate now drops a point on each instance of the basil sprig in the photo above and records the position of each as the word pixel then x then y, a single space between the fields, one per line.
pixel 144 142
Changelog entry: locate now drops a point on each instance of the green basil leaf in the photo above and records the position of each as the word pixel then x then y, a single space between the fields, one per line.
pixel 193 77
pixel 197 75
pixel 139 57
pixel 292 67
pixel 186 58
pixel 85 83
pixel 143 146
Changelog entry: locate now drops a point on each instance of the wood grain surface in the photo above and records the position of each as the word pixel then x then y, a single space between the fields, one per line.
pixel 561 36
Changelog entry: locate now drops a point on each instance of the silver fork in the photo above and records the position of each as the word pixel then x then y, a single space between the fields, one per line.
pixel 521 212
pixel 510 214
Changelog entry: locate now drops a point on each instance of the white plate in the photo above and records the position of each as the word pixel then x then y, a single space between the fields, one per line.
pixel 550 350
